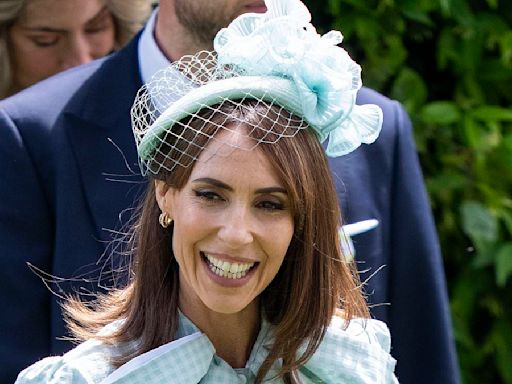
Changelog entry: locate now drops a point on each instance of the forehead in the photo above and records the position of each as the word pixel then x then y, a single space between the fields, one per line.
pixel 60 14
pixel 231 154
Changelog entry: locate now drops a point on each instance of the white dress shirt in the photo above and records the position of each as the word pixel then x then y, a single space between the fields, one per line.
pixel 151 58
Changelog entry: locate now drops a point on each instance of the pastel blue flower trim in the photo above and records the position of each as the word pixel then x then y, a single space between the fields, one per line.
pixel 281 58
pixel 282 42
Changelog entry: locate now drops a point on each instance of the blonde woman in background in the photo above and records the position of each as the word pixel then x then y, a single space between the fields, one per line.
pixel 39 38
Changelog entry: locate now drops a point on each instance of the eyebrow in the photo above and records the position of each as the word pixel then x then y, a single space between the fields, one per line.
pixel 93 19
pixel 102 12
pixel 220 184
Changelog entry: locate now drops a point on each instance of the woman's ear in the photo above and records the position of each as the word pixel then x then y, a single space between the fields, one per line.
pixel 161 189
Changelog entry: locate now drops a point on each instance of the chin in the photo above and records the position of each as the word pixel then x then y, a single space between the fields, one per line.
pixel 227 307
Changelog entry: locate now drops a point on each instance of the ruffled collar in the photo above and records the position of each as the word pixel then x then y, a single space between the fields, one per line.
pixel 258 354
pixel 357 354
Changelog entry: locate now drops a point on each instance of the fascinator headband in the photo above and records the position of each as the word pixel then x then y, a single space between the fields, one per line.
pixel 276 58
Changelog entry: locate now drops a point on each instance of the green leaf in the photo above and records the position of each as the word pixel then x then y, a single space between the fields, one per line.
pixel 462 13
pixel 492 113
pixel 486 254
pixel 440 112
pixel 445 182
pixel 506 48
pixel 494 72
pixel 410 89
pixel 463 300
pixel 502 340
pixel 472 132
pixel 492 4
pixel 446 48
pixel 506 216
pixel 503 264
pixel 419 16
pixel 445 7
pixel 478 222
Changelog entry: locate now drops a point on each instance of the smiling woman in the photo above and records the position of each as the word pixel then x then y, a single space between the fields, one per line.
pixel 233 225
pixel 39 38
pixel 238 274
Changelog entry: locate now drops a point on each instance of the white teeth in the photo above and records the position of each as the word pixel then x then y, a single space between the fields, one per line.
pixel 229 270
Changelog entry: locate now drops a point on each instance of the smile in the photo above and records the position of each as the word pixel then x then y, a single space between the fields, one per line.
pixel 226 269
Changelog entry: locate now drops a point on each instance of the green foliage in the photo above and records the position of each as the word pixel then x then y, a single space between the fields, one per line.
pixel 450 63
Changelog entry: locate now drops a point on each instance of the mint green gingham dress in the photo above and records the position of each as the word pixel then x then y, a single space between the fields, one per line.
pixel 356 355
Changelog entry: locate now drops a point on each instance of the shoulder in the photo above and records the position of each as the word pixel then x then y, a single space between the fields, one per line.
pixel 48 97
pixel 86 364
pixel 369 332
pixel 357 352
pixel 28 119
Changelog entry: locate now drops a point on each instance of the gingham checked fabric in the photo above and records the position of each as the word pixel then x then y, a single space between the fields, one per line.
pixel 356 355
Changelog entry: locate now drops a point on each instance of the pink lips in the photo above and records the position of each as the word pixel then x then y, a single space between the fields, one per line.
pixel 256 7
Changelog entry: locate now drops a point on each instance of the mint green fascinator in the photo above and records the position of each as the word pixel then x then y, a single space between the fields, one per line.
pixel 276 57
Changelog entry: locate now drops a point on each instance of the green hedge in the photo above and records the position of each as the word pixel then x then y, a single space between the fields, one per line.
pixel 450 63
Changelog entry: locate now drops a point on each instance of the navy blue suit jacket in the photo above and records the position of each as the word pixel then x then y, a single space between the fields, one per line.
pixel 66 150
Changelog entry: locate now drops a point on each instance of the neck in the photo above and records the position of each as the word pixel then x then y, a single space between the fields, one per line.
pixel 172 37
pixel 232 335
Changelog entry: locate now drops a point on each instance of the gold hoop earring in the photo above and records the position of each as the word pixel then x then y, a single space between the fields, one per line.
pixel 164 220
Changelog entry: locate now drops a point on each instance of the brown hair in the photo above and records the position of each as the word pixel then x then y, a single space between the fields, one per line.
pixel 129 17
pixel 313 276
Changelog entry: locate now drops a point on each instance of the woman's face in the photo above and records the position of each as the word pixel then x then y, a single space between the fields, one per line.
pixel 53 35
pixel 232 226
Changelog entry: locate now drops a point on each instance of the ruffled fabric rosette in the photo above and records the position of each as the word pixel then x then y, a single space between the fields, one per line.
pixel 276 57
pixel 283 43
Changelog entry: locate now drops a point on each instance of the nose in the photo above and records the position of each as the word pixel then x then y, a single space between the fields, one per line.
pixel 78 52
pixel 236 228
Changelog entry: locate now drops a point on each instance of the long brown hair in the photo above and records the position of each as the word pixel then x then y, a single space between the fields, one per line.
pixel 312 283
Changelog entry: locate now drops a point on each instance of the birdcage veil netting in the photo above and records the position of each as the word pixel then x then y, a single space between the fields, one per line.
pixel 274 65
pixel 166 140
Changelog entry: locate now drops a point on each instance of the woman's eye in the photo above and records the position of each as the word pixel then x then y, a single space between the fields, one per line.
pixel 270 205
pixel 101 23
pixel 208 195
pixel 96 29
pixel 45 41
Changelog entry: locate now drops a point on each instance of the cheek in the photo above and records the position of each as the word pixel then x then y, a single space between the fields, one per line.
pixel 102 43
pixel 189 228
pixel 278 240
pixel 183 250
pixel 32 64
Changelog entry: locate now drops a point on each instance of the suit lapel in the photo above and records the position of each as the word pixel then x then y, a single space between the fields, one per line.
pixel 97 123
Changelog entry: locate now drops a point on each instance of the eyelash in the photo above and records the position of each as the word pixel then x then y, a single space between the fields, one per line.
pixel 273 206
pixel 209 196
pixel 94 30
pixel 46 44
pixel 212 197
pixel 55 40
